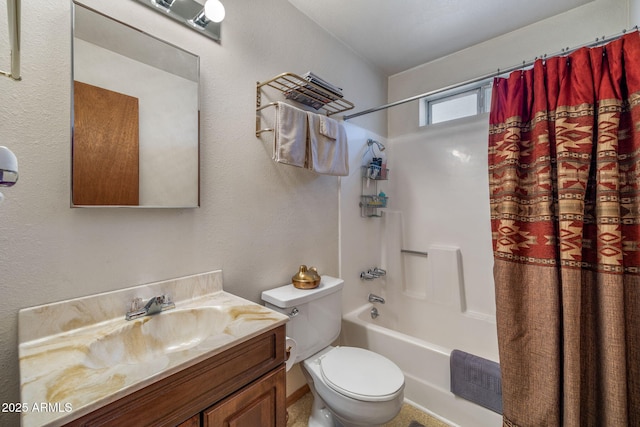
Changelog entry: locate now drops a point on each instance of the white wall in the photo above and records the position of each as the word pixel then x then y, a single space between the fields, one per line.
pixel 634 13
pixel 257 222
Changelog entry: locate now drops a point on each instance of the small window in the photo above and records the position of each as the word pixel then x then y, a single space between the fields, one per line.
pixel 451 105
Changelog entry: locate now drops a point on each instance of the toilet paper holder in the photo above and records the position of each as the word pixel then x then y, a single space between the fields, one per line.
pixel 290 353
pixel 287 353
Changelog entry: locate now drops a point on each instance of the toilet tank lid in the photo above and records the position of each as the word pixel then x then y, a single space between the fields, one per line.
pixel 289 296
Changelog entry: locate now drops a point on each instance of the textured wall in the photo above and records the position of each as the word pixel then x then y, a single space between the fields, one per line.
pixel 257 221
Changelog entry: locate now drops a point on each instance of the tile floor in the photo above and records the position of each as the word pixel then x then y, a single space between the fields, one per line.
pixel 299 415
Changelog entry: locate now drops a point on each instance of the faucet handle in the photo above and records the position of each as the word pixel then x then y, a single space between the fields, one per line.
pixel 136 304
pixel 379 271
pixel 366 276
pixel 167 302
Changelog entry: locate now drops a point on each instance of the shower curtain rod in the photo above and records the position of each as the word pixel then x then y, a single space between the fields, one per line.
pixel 524 64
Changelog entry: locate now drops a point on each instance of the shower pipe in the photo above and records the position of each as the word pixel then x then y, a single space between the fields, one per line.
pixel 13 14
pixel 524 64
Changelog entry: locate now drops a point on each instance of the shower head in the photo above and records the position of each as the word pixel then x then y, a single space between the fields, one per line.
pixel 370 142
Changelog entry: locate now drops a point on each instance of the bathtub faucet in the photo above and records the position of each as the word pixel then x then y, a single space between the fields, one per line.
pixel 378 272
pixel 373 274
pixel 376 298
pixel 366 276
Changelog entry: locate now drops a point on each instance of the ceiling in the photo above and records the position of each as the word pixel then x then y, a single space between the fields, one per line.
pixel 396 35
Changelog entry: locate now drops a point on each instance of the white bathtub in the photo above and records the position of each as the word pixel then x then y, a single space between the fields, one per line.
pixel 424 363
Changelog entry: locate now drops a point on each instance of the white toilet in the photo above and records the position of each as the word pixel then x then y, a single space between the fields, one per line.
pixel 351 386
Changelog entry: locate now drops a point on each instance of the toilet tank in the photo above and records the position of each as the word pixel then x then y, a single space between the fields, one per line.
pixel 315 315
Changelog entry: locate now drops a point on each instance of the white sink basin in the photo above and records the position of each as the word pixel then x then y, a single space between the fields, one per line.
pixel 145 339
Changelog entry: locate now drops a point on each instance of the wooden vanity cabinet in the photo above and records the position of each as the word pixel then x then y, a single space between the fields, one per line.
pixel 255 405
pixel 243 386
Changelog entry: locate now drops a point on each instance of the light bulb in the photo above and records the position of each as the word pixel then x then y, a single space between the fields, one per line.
pixel 214 10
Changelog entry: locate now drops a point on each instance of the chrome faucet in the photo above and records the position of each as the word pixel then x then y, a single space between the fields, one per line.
pixel 376 298
pixel 153 306
pixel 373 274
pixel 378 272
pixel 366 276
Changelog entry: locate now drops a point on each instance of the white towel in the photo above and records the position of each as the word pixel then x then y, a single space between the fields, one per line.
pixel 290 135
pixel 329 127
pixel 327 155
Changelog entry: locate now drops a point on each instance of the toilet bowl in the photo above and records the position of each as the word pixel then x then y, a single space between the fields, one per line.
pixel 350 386
pixel 357 386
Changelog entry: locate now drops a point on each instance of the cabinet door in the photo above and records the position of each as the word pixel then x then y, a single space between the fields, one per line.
pixel 261 403
pixel 191 422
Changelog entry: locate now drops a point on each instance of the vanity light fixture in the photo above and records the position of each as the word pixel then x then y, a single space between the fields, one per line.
pixel 214 10
pixel 163 4
pixel 204 19
pixel 200 21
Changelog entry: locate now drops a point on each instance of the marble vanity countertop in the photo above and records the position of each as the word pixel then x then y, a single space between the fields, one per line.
pixel 79 355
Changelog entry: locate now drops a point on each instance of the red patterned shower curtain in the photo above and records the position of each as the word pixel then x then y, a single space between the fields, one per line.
pixel 564 172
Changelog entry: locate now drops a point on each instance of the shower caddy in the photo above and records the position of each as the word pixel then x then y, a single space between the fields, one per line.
pixel 370 200
pixel 301 90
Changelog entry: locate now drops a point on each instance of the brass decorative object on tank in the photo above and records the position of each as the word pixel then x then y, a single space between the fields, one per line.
pixel 306 278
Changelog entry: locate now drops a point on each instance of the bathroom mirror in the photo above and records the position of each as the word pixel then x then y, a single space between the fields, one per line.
pixel 134 117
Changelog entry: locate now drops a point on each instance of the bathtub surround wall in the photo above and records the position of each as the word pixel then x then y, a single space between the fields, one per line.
pixel 247 224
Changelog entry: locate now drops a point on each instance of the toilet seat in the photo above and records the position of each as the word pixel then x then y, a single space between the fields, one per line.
pixel 361 374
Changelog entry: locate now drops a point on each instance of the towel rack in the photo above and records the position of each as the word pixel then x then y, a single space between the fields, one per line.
pixel 13 13
pixel 300 90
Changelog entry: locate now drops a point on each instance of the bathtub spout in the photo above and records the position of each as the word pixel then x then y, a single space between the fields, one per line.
pixel 376 298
